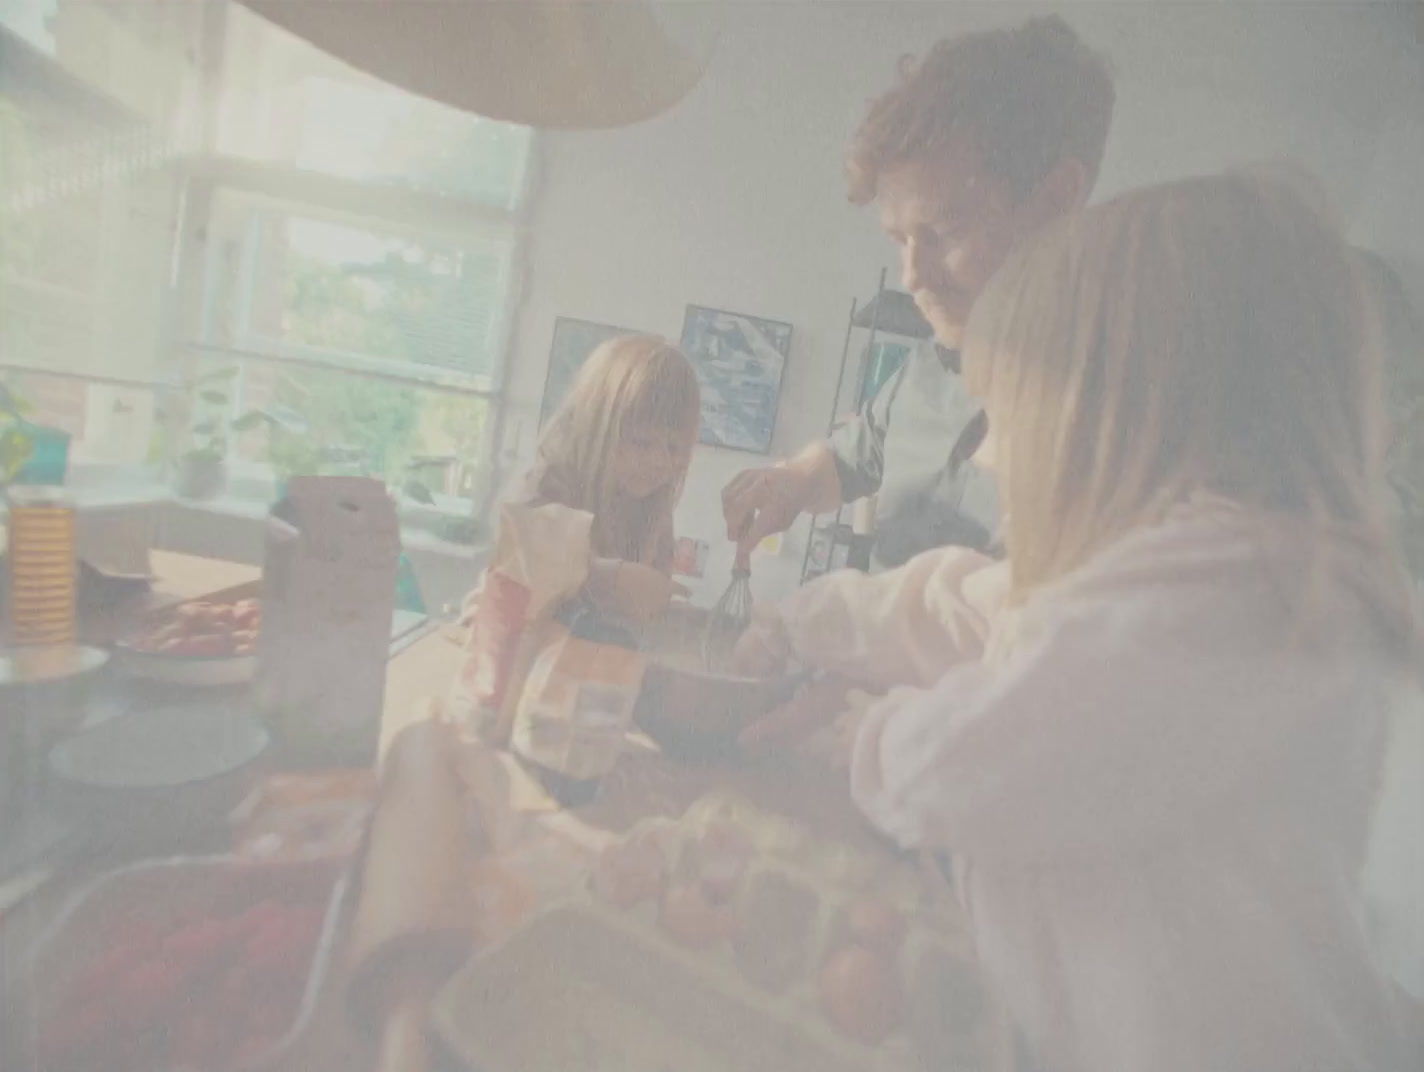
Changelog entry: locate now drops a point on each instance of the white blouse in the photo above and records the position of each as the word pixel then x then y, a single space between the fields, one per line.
pixel 1157 794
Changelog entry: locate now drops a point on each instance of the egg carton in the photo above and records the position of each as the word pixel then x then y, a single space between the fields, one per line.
pixel 865 954
pixel 908 883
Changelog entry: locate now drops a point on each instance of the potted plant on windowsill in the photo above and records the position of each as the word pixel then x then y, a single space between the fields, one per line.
pixel 202 472
pixel 290 449
pixel 202 468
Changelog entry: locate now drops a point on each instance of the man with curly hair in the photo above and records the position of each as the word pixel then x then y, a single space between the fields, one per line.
pixel 979 144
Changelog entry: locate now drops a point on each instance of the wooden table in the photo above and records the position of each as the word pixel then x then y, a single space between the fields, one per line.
pixel 176 578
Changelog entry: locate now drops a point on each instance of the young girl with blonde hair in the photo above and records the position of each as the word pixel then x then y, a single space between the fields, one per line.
pixel 1150 739
pixel 619 447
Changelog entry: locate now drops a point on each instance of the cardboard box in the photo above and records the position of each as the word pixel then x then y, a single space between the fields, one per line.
pixel 328 590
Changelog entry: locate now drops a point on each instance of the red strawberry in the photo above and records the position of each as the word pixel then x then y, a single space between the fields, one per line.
pixel 195 947
pixel 267 1022
pixel 197 1042
pixel 148 989
pixel 104 974
pixel 78 1036
pixel 304 923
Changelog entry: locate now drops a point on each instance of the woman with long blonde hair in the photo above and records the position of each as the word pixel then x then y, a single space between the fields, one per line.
pixel 1150 739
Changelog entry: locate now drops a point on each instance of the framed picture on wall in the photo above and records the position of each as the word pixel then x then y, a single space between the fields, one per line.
pixel 574 340
pixel 740 360
pixel 690 557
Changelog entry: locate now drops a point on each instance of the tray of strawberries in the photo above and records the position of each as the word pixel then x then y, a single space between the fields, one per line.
pixel 186 964
pixel 201 642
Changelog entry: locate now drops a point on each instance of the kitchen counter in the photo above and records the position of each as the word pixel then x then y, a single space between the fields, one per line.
pixel 553 845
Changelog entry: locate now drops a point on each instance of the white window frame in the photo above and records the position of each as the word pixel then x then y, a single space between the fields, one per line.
pixel 400 213
pixel 399 222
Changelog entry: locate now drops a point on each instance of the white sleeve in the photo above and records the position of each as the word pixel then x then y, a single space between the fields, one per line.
pixel 1393 876
pixel 905 626
pixel 1103 729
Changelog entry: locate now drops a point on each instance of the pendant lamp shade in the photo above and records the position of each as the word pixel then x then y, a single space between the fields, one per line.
pixel 570 65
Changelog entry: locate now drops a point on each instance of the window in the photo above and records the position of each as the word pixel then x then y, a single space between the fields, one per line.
pixel 109 424
pixel 367 346
pixel 373 135
pixel 207 219
pixel 284 103
pixel 92 100
pixel 360 266
pixel 376 298
pixel 32 21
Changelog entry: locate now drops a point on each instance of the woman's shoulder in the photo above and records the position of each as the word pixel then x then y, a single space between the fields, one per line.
pixel 1193 583
pixel 1211 573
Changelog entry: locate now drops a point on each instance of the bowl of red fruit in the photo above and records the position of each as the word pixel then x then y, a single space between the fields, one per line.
pixel 186 964
pixel 202 642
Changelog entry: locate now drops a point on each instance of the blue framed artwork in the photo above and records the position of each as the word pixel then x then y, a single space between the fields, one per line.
pixel 739 360
pixel 574 340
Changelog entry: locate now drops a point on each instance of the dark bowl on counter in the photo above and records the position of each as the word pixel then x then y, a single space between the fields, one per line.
pixel 44 696
pixel 49 686
pixel 160 774
pixel 696 715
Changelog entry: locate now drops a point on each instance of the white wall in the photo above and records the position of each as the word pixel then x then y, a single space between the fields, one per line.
pixel 735 198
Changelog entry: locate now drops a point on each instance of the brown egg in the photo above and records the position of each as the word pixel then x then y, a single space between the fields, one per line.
pixel 691 920
pixel 723 835
pixel 629 874
pixel 773 941
pixel 720 859
pixel 860 993
pixel 875 925
pixel 947 1008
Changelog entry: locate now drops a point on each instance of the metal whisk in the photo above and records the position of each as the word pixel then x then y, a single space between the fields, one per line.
pixel 730 617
